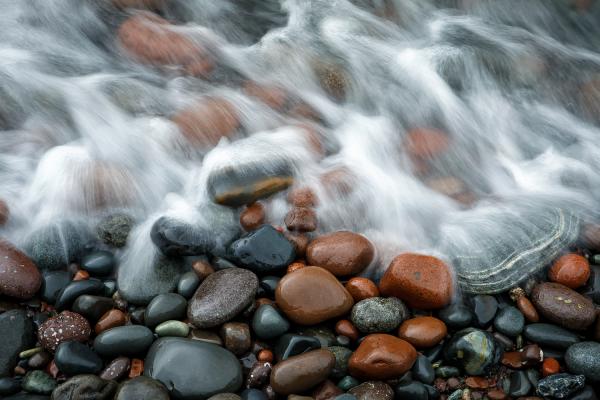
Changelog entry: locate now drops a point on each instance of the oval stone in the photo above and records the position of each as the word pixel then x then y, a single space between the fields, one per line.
pixel 300 373
pixel 341 253
pixel 221 296
pixel 19 276
pixel 474 350
pixel 127 340
pixel 550 335
pixel 584 359
pixel 66 326
pixel 382 357
pixel 164 307
pixel 423 332
pixel 378 314
pixel 571 270
pixel 312 295
pixel 563 306
pixel 74 358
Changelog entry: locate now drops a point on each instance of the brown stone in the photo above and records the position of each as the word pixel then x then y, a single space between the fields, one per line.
pixel 81 275
pixel 381 357
pixel 294 267
pixel 265 356
pixel 477 382
pixel 202 269
pixel 361 288
pixel 302 197
pixel 110 319
pixel 258 375
pixel 299 240
pixel 207 121
pixel 346 328
pixel 550 366
pixel 300 373
pixel 563 306
pixel 423 332
pixel 137 368
pixel 301 219
pixel 236 337
pixel 426 143
pixel 253 216
pixel 338 182
pixel 513 359
pixel 117 369
pixel 312 295
pixel 341 253
pixel 326 390
pixel 421 281
pixel 4 212
pixel 373 390
pixel 571 270
pixel 19 276
pixel 65 327
pixel 496 394
pixel 526 307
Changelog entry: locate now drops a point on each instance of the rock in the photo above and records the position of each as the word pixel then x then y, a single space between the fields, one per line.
pixel 484 309
pixel 592 290
pixel 74 358
pixel 299 241
pixel 205 336
pixel 258 374
pixel 560 386
pixel 252 217
pixel 142 387
pixel 550 367
pixel 236 337
pixel 301 219
pixel 302 372
pixel 264 250
pixel 116 369
pixel 253 394
pixel 267 323
pixel 421 281
pixel 302 197
pixel 73 290
pixel 378 314
pixel 225 396
pixel 38 382
pixel 52 283
pixel 268 285
pixel 519 384
pixel 164 307
pixel 9 386
pixel 375 390
pixel 19 277
pixel 361 288
pixel 99 263
pixel 129 340
pixel 342 357
pixel 88 387
pixel 172 328
pixel 17 335
pixel 509 321
pixel 473 350
pixel 571 270
pixel 114 229
pixel 204 123
pixel 111 319
pixel 563 306
pixel 423 332
pixel 422 370
pixel 528 310
pixel 587 393
pixel 456 316
pixel 312 295
pixel 27 396
pixel 192 369
pixel 584 359
pixel 345 328
pixel 550 335
pixel 66 326
pixel 341 253
pixel 290 345
pixel 323 334
pixel 381 357
pixel 188 284
pixel 222 296
pixel 92 307
pixel 411 391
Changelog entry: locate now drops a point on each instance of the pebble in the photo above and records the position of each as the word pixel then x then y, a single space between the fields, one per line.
pixel 411 391
pixel 252 217
pixel 342 357
pixel 301 219
pixel 421 281
pixel 99 263
pixel 373 390
pixel 422 370
pixel 265 356
pixel 165 307
pixel 222 296
pixel 299 241
pixel 116 369
pixel 17 335
pixel 114 229
pixel 253 394
pixel 137 367
pixel 205 336
pixel 9 386
pixel 587 393
pixel 39 360
pixel 423 332
pixel 592 290
pixel 129 340
pixel 341 253
pixel 263 251
pixel 302 372
pixel 172 328
pixel 550 335
pixel 509 321
pixel 519 384
pixel 456 316
pixel 571 270
pixel 92 307
pixel 236 337
pixel 258 374
pixel 345 328
pixel 110 319
pixel 268 323
pixel 52 283
pixel 378 314
pixel 38 382
pixel 584 359
pixel 193 369
pixel 74 358
pixel 563 306
pixel 88 387
pixel 225 396
pixel 560 386
pixel 526 307
pixel 361 288
pixel 142 387
pixel 19 276
pixel 550 366
pixel 290 345
pixel 484 309
pixel 381 356
pixel 188 283
pixel 66 326
pixel 447 371
pixel 312 295
pixel 474 350
pixel 73 290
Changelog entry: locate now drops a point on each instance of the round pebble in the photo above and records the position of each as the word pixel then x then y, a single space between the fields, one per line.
pixel 378 314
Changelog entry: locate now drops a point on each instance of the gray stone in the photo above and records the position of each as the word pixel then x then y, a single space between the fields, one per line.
pixel 165 307
pixel 142 387
pixel 584 359
pixel 38 382
pixel 114 229
pixel 88 387
pixel 509 321
pixel 560 386
pixel 268 323
pixel 378 314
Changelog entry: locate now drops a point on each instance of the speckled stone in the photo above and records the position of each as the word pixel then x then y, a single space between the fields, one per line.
pixel 373 390
pixel 563 306
pixel 19 276
pixel 378 314
pixel 66 326
pixel 560 386
pixel 38 382
pixel 584 359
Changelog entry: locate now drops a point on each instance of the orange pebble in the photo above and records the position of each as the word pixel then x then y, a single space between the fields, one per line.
pixel 81 275
pixel 252 217
pixel 202 269
pixel 137 368
pixel 295 266
pixel 265 356
pixel 362 288
pixel 571 270
pixel 550 367
pixel 110 319
pixel 526 307
pixel 346 328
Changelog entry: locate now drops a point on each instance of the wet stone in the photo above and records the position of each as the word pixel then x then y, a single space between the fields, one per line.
pixel 88 387
pixel 378 314
pixel 587 393
pixel 422 370
pixel 550 335
pixel 66 326
pixel 130 340
pixel 268 323
pixel 99 263
pixel 74 358
pixel 456 316
pixel 52 283
pixel 584 359
pixel 73 290
pixel 484 309
pixel 9 386
pixel 142 387
pixel 188 283
pixel 110 319
pixel 38 382
pixel 252 217
pixel 114 229
pixel 164 307
pixel 323 334
pixel 509 321
pixel 381 356
pixel 302 372
pixel 341 253
pixel 411 391
pixel 563 306
pixel 560 386
pixel 19 276
pixel 258 375
pixel 116 369
pixel 17 335
pixel 342 356
pixel 519 384
pixel 172 328
pixel 236 337
pixel 373 390
pixel 290 345
pixel 473 350
pixel 264 250
pixel 423 332
pixel 253 394
pixel 92 307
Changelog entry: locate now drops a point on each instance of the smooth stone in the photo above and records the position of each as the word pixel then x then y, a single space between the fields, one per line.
pixel 9 386
pixel 17 335
pixel 92 307
pixel 19 276
pixel 584 359
pixel 432 392
pixel 263 251
pixel 142 387
pixel 474 350
pixel 302 372
pixel 411 391
pixel 99 263
pixel 519 384
pixel 269 284
pixel 236 337
pixel 111 319
pixel 114 229
pixel 571 270
pixel 423 332
pixel 312 295
pixel 592 289
pixel 373 390
pixel 188 283
pixel 193 369
pixel 38 382
pixel 342 357
pixel 509 321
pixel 258 372
pixel 378 314
pixel 484 309
pixel 447 371
pixel 172 328
pixel 563 306
pixel 129 340
pixel 253 394
pixel 73 290
pixel 268 323
pixel 421 281
pixel 253 216
pixel 423 371
pixel 435 353
pixel 381 356
pixel 323 334
pixel 341 253
pixel 456 316
pixel 587 393
pixel 550 335
pixel 301 220
pixel 52 283
pixel 116 369
pixel 205 336
pixel 74 358
pixel 85 387
pixel 27 396
pixel 560 386
pixel 165 307
pixel 66 326
pixel 222 296
pixel 348 382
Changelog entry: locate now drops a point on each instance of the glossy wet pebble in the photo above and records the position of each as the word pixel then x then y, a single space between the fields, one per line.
pixel 73 290
pixel 484 309
pixel 38 382
pixel 52 283
pixel 19 276
pixel 341 253
pixel 99 263
pixel 423 332
pixel 127 340
pixel 372 390
pixel 550 335
pixel 474 350
pixel 74 358
pixel 92 307
pixel 66 326
pixel 268 323
pixel 456 316
pixel 378 314
pixel 584 359
pixel 291 344
pixel 381 357
pixel 563 306
pixel 302 372
pixel 172 328
pixel 509 321
pixel 264 250
pixel 165 307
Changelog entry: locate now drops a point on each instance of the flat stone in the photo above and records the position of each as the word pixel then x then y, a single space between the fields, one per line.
pixel 378 314
pixel 164 307
pixel 484 309
pixel 584 359
pixel 302 372
pixel 88 387
pixel 382 357
pixel 142 387
pixel 423 332
pixel 19 276
pixel 456 316
pixel 341 253
pixel 550 335
pixel 129 340
pixel 17 335
pixel 74 358
pixel 264 250
pixel 99 263
pixel 563 306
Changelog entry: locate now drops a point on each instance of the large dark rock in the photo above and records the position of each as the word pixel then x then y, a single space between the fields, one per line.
pixel 550 335
pixel 74 358
pixel 165 307
pixel 17 334
pixel 129 340
pixel 264 250
pixel 474 350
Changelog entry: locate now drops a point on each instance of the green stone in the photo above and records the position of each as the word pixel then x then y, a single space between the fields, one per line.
pixel 30 352
pixel 172 328
pixel 347 383
pixel 456 395
pixel 38 382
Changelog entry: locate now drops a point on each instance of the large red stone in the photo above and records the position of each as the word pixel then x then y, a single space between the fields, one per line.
pixel 571 270
pixel 381 357
pixel 19 277
pixel 341 253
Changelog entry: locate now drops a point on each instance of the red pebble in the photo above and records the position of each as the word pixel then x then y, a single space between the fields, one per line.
pixel 571 270
pixel 550 367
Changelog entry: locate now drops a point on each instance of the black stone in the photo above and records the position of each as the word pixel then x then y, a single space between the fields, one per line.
pixel 73 290
pixel 9 386
pixel 176 238
pixel 435 353
pixel 422 370
pixel 550 335
pixel 446 371
pixel 592 289
pixel 188 283
pixel 559 355
pixel 519 384
pixel 456 316
pixel 268 323
pixel 110 287
pixel 85 387
pixel 474 350
pixel 74 358
pixel 253 394
pixel 484 308
pixel 560 386
pixel 290 345
pixel 129 340
pixel 92 307
pixel 99 263
pixel 16 335
pixel 509 321
pixel 264 250
pixel 506 342
pixel 268 284
pixel 432 392
pixel 165 307
pixel 411 391
pixel 52 283
pixel 142 387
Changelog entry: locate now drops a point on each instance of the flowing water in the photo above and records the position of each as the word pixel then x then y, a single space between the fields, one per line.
pixel 508 90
